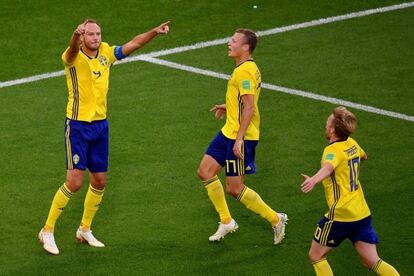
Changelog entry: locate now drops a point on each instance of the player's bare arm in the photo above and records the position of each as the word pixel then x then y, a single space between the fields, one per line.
pixel 75 42
pixel 310 182
pixel 365 157
pixel 140 40
pixel 247 115
pixel 219 111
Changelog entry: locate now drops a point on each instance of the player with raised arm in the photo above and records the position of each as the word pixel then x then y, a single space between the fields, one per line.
pixel 349 216
pixel 234 146
pixel 87 63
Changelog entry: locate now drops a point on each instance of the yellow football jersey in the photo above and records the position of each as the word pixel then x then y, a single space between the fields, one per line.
pixel 246 79
pixel 88 83
pixel 343 190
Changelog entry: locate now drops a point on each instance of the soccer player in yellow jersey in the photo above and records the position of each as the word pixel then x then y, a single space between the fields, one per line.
pixel 87 63
pixel 234 146
pixel 348 215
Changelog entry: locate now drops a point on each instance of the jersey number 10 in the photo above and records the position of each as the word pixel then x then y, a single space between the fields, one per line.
pixel 353 165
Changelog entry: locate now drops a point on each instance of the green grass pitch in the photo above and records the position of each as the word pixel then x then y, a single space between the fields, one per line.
pixel 155 218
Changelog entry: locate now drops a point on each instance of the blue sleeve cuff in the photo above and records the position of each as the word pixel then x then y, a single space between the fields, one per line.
pixel 118 53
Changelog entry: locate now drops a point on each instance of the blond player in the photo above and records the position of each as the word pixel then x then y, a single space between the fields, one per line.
pixel 87 63
pixel 349 216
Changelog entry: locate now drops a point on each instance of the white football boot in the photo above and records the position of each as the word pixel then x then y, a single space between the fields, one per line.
pixel 279 229
pixel 48 241
pixel 86 236
pixel 223 230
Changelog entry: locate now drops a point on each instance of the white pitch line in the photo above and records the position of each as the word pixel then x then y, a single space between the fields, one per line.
pixel 187 68
pixel 32 78
pixel 225 40
pixel 286 90
pixel 284 29
pixel 150 57
pixel 337 101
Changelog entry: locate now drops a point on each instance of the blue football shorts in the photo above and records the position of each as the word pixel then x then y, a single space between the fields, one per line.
pixel 86 145
pixel 221 149
pixel 331 233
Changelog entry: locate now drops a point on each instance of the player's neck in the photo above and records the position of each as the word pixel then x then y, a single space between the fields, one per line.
pixel 89 52
pixel 333 138
pixel 240 59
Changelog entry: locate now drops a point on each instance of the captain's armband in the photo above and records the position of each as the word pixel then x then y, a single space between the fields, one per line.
pixel 118 53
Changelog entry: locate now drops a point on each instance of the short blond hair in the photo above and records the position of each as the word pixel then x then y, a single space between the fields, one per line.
pixel 91 20
pixel 344 122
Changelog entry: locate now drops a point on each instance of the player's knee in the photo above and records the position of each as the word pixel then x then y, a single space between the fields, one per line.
pixel 368 262
pixel 74 184
pixel 200 173
pixel 98 183
pixel 315 256
pixel 232 191
pixel 74 179
pixel 204 174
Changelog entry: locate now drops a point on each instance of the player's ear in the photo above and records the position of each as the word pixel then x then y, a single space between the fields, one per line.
pixel 246 47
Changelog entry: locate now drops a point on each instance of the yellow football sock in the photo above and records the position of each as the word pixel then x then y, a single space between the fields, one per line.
pixel 254 202
pixel 322 268
pixel 59 202
pixel 383 268
pixel 92 201
pixel 216 194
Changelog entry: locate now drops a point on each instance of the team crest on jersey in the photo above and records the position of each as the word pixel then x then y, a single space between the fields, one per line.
pixel 76 159
pixel 103 61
